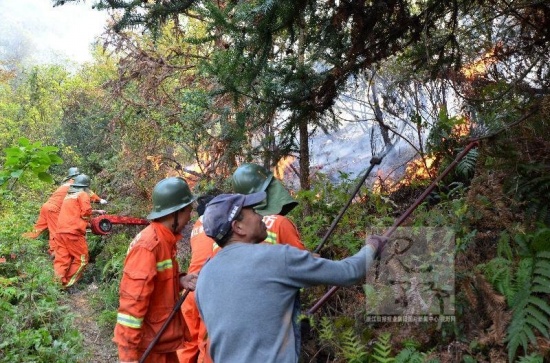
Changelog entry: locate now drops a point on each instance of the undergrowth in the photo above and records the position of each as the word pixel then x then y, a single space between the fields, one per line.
pixel 34 327
pixel 525 283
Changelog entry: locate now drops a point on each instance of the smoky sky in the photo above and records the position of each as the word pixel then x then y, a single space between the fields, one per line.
pixel 34 32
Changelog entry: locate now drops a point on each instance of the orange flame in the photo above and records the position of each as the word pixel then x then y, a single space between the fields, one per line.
pixel 463 128
pixel 417 169
pixel 282 166
pixel 479 67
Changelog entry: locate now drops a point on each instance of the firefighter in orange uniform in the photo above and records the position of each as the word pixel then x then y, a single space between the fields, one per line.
pixel 71 253
pixel 49 212
pixel 202 248
pixel 253 178
pixel 151 282
pixel 247 179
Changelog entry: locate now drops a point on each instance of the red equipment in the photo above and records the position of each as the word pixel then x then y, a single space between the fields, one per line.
pixel 103 224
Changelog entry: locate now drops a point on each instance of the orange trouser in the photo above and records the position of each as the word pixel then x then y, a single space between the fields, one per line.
pixel 71 257
pixel 194 350
pixel 204 348
pixel 47 219
pixel 190 352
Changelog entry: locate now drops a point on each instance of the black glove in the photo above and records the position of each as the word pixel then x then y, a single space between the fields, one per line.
pixel 378 243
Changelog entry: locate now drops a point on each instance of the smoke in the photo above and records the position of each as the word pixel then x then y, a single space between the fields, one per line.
pixel 34 32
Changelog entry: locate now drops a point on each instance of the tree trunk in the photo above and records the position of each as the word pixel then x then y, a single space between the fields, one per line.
pixel 305 183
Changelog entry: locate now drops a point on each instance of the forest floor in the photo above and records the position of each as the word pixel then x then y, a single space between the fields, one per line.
pixel 96 339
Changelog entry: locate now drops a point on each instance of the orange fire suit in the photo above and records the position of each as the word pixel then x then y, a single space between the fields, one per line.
pixel 149 291
pixel 49 214
pixel 202 248
pixel 71 254
pixel 279 230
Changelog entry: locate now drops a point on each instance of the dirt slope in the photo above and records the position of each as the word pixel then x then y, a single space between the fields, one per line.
pixel 97 341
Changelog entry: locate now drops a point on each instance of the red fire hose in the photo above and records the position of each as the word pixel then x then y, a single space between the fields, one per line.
pixel 103 224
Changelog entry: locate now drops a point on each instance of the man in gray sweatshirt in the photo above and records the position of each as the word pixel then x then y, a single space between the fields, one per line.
pixel 246 293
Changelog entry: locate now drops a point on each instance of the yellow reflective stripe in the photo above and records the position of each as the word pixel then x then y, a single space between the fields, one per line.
pixel 164 265
pixel 271 237
pixel 129 320
pixel 78 272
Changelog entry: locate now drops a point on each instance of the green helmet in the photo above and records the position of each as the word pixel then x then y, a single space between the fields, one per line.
pixel 251 178
pixel 81 180
pixel 73 172
pixel 170 195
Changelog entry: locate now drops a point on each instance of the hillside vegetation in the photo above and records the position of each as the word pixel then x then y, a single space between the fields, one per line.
pixel 194 89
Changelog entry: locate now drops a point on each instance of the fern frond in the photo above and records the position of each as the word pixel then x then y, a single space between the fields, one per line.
pixel 524 273
pixel 541 304
pixel 531 313
pixel 543 268
pixel 382 349
pixel 409 355
pixel 504 248
pixel 532 358
pixel 466 166
pixel 326 332
pixel 353 350
pixel 499 273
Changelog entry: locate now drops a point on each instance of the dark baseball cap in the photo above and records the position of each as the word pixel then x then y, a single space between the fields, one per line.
pixel 223 209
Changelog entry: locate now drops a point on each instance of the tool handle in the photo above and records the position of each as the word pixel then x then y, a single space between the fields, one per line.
pixel 404 216
pixel 176 309
pixel 373 161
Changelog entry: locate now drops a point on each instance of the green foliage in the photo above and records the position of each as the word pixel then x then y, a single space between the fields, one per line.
pixel 343 340
pixel 524 285
pixel 352 349
pixel 531 313
pixel 532 184
pixel 409 355
pixel 326 330
pixel 327 200
pixel 30 157
pixel 33 326
pixel 466 166
pixel 500 273
pixel 382 349
pixel 531 358
pixel 442 138
pixel 530 243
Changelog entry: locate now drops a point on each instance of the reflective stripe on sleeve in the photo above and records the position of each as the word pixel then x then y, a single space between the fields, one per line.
pixel 164 265
pixel 271 237
pixel 129 321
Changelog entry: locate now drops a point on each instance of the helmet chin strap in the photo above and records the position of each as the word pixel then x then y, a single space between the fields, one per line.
pixel 175 224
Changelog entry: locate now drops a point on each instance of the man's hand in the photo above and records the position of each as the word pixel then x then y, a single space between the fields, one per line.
pixel 189 282
pixel 378 243
pixel 102 201
pixel 99 211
